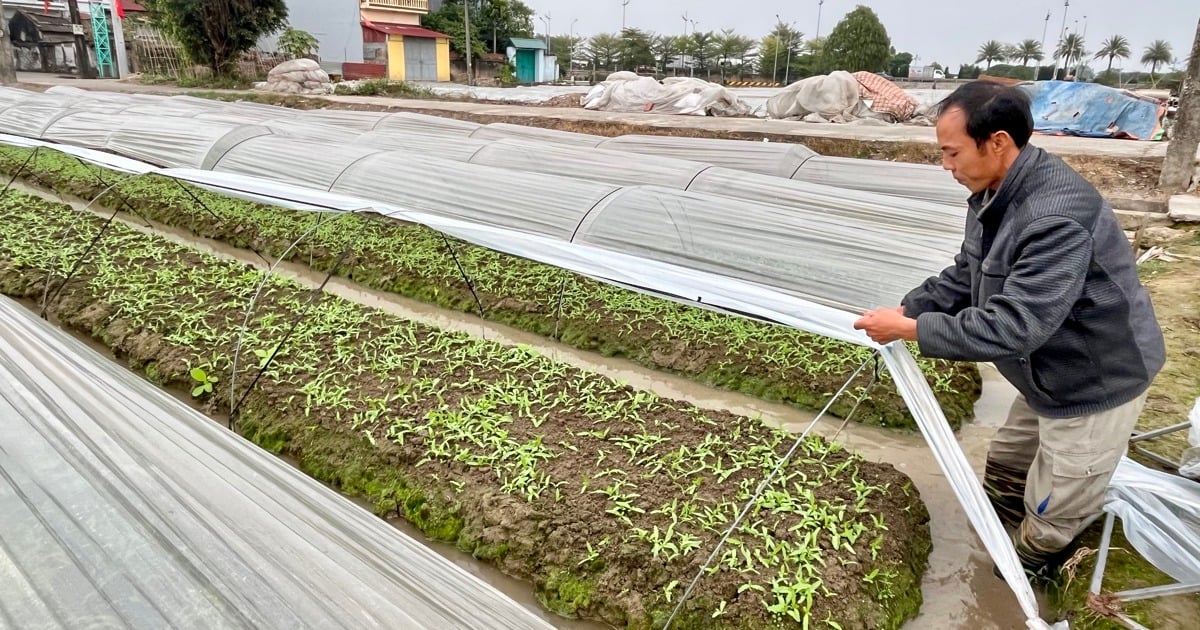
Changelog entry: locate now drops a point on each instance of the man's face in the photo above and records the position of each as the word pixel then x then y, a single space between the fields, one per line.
pixel 973 166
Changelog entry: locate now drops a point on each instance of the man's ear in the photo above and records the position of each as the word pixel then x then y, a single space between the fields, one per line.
pixel 1000 141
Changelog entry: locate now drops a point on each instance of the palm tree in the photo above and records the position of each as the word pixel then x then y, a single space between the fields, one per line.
pixel 1030 49
pixel 990 51
pixel 1071 48
pixel 1113 47
pixel 1156 53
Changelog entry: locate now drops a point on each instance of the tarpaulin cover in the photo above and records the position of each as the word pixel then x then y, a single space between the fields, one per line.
pixel 121 507
pixel 1094 111
pixel 629 92
pixel 835 96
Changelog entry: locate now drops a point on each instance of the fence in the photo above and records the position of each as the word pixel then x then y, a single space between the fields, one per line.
pixel 156 55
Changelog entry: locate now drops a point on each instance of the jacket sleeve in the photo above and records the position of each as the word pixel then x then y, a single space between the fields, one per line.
pixel 1045 281
pixel 949 292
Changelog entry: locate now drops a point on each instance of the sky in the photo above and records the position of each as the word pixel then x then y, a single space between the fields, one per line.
pixel 946 31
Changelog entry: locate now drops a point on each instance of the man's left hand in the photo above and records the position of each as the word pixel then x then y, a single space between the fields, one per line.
pixel 885 325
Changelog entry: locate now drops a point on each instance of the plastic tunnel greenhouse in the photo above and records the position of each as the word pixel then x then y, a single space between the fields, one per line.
pixel 800 265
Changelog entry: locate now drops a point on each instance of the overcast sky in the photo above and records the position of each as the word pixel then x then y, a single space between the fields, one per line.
pixel 946 31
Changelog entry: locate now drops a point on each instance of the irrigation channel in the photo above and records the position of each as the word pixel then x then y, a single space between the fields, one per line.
pixel 958 588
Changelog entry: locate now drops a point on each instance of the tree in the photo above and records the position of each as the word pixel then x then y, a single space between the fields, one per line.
pixel 566 48
pixel 991 51
pixel 858 42
pixel 1156 53
pixel 775 50
pixel 450 20
pixel 1070 49
pixel 215 32
pixel 899 63
pixel 1028 50
pixel 665 49
pixel 1113 47
pixel 8 71
pixel 635 49
pixel 603 50
pixel 1179 167
pixel 968 71
pixel 501 19
pixel 729 46
pixel 703 48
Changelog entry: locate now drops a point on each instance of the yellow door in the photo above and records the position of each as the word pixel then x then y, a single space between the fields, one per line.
pixel 395 57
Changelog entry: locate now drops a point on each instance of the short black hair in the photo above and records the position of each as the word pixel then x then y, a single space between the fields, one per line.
pixel 990 107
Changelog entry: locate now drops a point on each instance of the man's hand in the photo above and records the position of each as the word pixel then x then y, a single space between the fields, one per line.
pixel 885 325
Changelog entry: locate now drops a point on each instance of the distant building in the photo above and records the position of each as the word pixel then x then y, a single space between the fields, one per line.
pixel 372 38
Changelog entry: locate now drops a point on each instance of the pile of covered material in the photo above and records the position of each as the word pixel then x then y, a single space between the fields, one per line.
pixel 298 76
pixel 628 92
pixel 1094 111
pixel 842 97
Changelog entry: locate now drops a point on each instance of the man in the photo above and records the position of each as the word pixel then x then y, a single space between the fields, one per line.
pixel 1045 286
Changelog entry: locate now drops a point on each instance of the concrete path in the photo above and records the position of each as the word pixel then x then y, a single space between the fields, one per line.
pixel 1063 145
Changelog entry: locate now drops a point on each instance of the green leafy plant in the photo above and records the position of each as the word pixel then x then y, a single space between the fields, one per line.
pixel 298 43
pixel 205 382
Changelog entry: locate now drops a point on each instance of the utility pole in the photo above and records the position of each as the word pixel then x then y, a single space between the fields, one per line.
pixel 683 43
pixel 1038 62
pixel 8 71
pixel 81 49
pixel 466 36
pixel 1062 34
pixel 1079 67
pixel 1179 167
pixel 571 50
pixel 624 4
pixel 819 3
pixel 692 66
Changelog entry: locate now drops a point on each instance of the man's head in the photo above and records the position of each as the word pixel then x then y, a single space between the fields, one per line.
pixel 981 128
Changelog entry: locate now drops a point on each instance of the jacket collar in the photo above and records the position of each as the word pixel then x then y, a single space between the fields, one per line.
pixel 981 203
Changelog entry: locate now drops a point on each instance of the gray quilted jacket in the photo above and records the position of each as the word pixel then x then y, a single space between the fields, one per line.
pixel 1046 287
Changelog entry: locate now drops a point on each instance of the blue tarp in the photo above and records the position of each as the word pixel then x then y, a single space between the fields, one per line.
pixel 1094 111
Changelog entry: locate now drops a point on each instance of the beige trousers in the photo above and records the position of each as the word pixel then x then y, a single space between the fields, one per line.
pixel 1048 476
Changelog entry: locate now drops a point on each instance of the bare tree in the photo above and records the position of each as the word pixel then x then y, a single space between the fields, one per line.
pixel 8 69
pixel 1180 165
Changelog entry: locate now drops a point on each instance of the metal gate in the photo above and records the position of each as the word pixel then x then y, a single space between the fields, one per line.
pixel 420 59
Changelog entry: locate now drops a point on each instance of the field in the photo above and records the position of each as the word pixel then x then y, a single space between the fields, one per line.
pixel 763 360
pixel 606 498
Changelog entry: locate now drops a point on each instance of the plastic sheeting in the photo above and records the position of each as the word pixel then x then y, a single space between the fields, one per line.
pixel 613 167
pixel 873 216
pixel 912 181
pixel 490 196
pixel 313 164
pixel 1189 463
pixel 834 96
pixel 1094 111
pixel 836 266
pixel 33 114
pixel 687 285
pixel 500 131
pixel 458 148
pixel 1160 516
pixel 122 507
pixel 423 123
pixel 935 225
pixel 629 92
pixel 780 159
